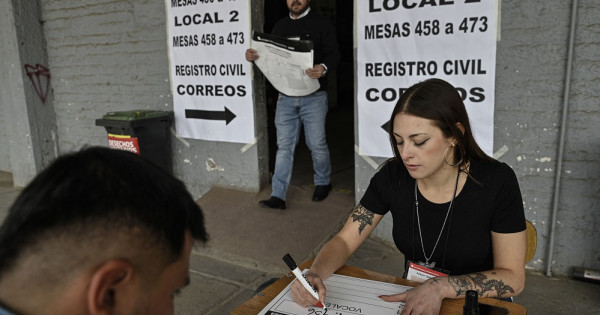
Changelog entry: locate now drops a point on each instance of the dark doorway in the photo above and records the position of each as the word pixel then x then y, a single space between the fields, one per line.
pixel 340 119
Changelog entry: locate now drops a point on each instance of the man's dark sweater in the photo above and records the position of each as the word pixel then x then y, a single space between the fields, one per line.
pixel 321 31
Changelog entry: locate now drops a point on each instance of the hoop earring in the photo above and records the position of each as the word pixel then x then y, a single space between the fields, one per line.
pixel 452 165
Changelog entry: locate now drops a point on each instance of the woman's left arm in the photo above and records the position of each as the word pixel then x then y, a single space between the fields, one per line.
pixel 508 276
pixel 505 280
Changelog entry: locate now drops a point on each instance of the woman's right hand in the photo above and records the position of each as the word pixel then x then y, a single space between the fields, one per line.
pixel 305 298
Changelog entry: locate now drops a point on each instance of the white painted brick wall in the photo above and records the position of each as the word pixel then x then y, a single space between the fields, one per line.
pixel 105 56
pixel 111 55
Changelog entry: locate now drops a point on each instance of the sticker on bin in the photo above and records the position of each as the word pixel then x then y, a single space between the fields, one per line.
pixel 123 142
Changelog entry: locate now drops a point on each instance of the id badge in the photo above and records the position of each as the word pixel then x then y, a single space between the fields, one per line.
pixel 420 273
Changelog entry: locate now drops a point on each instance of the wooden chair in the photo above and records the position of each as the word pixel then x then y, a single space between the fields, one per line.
pixel 531 241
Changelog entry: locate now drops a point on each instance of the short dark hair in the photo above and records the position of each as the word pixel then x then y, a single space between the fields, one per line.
pixel 439 101
pixel 101 188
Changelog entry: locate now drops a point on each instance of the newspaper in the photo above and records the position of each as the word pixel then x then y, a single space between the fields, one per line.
pixel 284 62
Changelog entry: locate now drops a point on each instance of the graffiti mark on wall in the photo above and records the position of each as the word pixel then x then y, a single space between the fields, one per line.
pixel 40 78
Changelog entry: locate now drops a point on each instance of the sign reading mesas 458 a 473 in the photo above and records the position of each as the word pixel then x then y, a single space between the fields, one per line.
pixel 402 42
pixel 210 79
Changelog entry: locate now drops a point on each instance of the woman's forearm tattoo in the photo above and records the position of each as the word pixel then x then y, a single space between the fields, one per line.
pixel 479 282
pixel 363 216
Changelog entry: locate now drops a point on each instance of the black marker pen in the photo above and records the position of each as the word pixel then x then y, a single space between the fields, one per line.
pixel 296 271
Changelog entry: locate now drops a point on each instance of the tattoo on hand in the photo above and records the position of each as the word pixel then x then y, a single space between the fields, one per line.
pixel 362 215
pixel 480 283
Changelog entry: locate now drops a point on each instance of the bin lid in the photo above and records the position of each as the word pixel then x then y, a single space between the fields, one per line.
pixel 136 115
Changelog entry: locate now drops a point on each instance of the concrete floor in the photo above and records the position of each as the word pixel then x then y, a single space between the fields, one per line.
pixel 247 242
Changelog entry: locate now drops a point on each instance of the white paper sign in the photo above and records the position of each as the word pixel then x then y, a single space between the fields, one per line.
pixel 210 77
pixel 401 43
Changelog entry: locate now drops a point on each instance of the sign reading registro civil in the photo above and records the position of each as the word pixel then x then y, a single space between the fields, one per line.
pixel 400 43
pixel 210 79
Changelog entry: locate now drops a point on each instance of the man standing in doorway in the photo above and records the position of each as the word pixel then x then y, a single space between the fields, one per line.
pixel 309 110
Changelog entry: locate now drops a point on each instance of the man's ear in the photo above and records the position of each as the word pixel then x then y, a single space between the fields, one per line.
pixel 108 281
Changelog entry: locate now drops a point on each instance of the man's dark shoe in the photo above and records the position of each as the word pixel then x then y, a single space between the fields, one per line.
pixel 321 192
pixel 273 202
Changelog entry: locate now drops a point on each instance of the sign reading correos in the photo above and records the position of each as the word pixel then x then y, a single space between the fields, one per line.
pixel 403 42
pixel 210 79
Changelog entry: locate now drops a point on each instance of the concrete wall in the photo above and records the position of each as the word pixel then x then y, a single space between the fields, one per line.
pixel 4 142
pixel 28 122
pixel 530 83
pixel 578 233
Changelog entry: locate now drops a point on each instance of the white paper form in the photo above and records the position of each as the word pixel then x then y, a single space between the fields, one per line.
pixel 345 296
pixel 284 61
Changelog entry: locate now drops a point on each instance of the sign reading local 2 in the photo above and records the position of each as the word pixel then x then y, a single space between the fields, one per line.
pixel 210 79
pixel 403 42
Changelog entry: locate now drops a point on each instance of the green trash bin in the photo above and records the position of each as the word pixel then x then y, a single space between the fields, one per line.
pixel 144 132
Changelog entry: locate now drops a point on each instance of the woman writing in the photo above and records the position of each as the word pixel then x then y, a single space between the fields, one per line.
pixel 454 208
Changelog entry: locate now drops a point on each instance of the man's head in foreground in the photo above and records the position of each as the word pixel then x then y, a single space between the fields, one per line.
pixel 99 231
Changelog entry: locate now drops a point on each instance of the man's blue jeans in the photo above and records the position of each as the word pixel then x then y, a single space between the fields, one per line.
pixel 310 111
